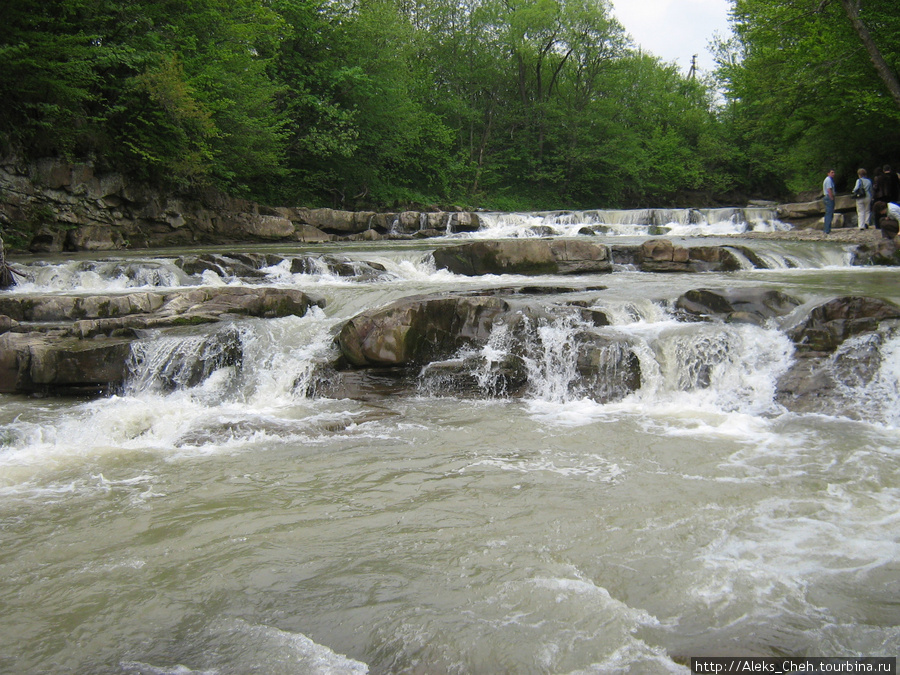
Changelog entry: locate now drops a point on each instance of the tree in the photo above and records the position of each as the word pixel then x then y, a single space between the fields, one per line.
pixel 887 74
pixel 802 94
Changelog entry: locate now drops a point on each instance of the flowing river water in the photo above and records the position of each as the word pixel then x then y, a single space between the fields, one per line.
pixel 242 525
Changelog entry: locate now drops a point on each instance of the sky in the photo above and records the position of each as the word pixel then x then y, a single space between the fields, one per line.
pixel 675 30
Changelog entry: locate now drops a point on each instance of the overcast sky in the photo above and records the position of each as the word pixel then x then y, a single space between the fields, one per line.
pixel 675 30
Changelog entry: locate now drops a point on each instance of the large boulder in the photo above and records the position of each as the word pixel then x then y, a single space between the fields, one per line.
pixel 826 326
pixel 32 363
pixel 333 221
pixel 886 252
pixel 608 369
pixel 525 256
pixel 479 345
pixel 419 330
pixel 839 355
pixel 738 305
pixel 840 383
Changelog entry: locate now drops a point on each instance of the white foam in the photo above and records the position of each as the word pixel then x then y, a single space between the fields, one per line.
pixel 274 647
pixel 590 467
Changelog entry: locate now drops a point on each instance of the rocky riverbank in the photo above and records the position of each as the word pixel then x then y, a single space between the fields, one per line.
pixel 52 206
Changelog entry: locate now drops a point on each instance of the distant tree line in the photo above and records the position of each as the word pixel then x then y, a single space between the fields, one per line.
pixel 505 104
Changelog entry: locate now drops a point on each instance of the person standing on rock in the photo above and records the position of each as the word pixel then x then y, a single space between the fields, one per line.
pixel 828 195
pixel 864 203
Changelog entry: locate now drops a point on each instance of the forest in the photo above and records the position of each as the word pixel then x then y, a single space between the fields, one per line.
pixel 498 104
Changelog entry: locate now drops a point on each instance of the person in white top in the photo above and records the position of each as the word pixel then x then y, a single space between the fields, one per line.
pixel 887 215
pixel 863 204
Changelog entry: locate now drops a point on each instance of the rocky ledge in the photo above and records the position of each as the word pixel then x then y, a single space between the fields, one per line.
pixel 52 205
pixel 571 256
pixel 61 344
pixel 485 345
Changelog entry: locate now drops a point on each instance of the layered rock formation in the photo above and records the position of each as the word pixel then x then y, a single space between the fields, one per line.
pixel 486 344
pixel 56 206
pixel 534 257
pixel 61 344
pixel 52 205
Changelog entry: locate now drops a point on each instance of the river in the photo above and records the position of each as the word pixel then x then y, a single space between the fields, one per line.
pixel 243 525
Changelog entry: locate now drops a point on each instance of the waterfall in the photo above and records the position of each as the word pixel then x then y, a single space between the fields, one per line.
pixel 551 359
pixel 166 363
pixel 104 275
pixel 635 222
pixel 725 366
pixel 266 361
pixel 866 371
pixel 557 359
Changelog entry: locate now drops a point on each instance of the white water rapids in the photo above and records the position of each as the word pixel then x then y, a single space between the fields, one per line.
pixel 214 517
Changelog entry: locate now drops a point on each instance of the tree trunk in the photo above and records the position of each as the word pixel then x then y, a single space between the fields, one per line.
pixel 888 76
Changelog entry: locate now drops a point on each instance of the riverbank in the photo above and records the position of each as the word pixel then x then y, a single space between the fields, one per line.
pixel 51 206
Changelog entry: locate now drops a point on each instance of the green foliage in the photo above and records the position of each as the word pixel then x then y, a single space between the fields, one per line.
pixel 166 131
pixel 803 94
pixel 495 103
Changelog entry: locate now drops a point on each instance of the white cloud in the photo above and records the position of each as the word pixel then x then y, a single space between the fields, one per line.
pixel 675 30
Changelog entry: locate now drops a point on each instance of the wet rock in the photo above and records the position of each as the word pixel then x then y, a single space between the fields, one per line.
pixel 609 369
pixel 838 356
pixel 826 326
pixel 156 309
pixel 834 384
pixel 310 234
pixel 661 255
pixel 419 330
pixel 525 256
pixel 221 265
pixel 625 255
pixel 885 251
pixel 7 324
pixel 475 376
pixel 365 235
pixel 361 385
pixel 67 344
pixel 429 233
pixel 739 305
pixel 445 340
pixel 36 363
pixel 332 221
pixel 464 221
pixel 338 265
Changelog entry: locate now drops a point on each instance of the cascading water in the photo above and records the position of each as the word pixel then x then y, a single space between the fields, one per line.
pixel 167 363
pixel 641 222
pixel 573 495
pixel 726 367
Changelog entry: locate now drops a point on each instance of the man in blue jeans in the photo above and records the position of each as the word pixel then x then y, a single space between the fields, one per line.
pixel 828 191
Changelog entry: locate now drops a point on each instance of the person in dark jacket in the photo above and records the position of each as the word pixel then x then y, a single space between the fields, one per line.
pixel 887 186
